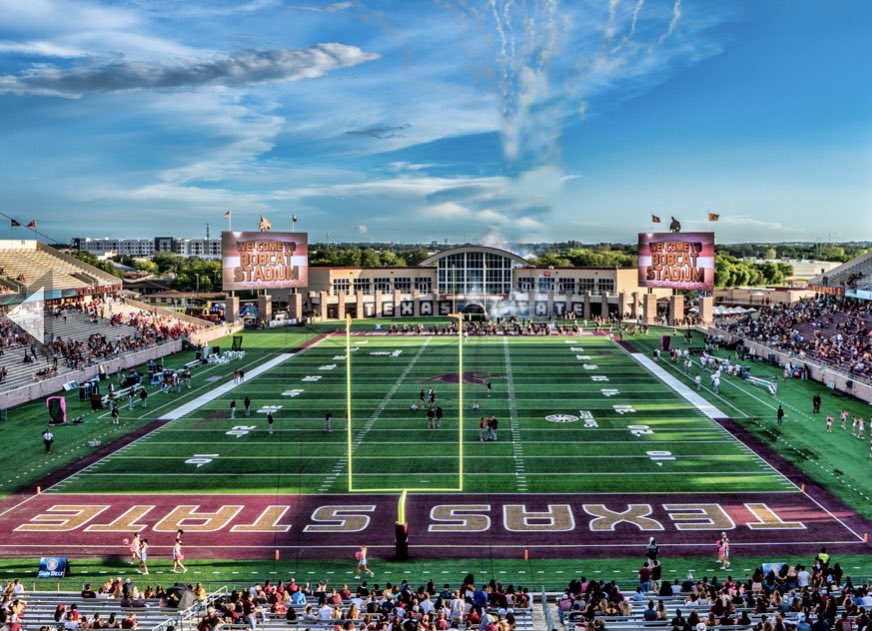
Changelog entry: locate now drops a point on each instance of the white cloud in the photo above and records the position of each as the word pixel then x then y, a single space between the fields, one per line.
pixel 40 49
pixel 333 7
pixel 446 210
pixel 240 70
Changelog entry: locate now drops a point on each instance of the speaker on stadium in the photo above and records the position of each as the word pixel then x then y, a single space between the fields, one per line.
pixel 180 596
pixel 849 384
pixel 96 403
pixel 773 361
pixel 216 350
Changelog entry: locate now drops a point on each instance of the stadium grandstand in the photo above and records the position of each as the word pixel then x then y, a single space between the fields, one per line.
pixel 852 279
pixel 609 437
pixel 88 325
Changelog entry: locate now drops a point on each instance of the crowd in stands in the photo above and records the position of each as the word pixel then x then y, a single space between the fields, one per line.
pixel 828 329
pixel 786 597
pixel 500 326
pixel 150 329
pixel 71 614
pixel 490 607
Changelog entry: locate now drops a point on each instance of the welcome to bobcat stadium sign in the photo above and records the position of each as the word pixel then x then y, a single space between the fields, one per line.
pixel 677 260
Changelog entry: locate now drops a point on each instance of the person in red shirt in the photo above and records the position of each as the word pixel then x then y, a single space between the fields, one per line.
pixel 645 577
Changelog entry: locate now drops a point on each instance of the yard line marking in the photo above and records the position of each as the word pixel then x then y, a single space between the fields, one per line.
pixel 60 483
pixel 361 435
pixel 694 399
pixel 492 473
pixel 224 388
pixel 444 442
pixel 517 445
pixel 708 409
pixel 172 417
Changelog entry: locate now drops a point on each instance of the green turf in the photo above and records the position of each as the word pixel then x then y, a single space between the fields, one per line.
pixel 395 446
pixel 533 378
pixel 24 425
pixel 837 461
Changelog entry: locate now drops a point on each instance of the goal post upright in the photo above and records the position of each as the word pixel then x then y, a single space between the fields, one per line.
pixel 459 317
pixel 348 433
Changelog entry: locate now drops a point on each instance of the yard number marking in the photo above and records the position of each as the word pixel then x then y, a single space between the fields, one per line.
pixel 201 459
pixel 657 457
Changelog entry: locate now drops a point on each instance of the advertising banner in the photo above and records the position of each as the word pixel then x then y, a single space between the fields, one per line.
pixel 680 260
pixel 52 567
pixel 264 260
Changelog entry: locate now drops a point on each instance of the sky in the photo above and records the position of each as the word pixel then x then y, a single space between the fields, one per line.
pixel 483 121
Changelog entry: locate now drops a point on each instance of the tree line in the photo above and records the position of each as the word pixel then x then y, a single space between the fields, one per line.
pixel 732 265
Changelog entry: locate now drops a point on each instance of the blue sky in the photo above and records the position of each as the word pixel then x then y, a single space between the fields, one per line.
pixel 468 120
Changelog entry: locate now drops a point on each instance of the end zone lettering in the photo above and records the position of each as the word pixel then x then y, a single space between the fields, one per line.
pixel 440 518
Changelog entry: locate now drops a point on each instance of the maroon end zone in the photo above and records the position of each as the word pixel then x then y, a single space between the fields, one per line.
pixel 460 526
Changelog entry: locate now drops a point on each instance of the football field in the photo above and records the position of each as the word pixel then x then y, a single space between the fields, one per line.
pixel 596 448
pixel 574 415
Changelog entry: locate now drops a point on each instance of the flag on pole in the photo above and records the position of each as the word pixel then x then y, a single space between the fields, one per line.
pixel 227 215
pixel 714 216
pixel 655 219
pixel 294 218
pixel 15 223
pixel 32 224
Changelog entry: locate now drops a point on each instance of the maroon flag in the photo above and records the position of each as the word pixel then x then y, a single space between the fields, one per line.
pixel 32 224
pixel 714 216
pixel 294 218
pixel 655 219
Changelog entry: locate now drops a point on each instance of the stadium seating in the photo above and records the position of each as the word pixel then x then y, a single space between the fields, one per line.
pixel 856 272
pixel 25 266
pixel 41 608
pixel 823 329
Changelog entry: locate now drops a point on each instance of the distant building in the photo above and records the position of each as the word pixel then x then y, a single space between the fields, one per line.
pixel 203 248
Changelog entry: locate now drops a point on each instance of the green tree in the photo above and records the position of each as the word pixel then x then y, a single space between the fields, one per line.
pixel 168 263
pixel 90 259
pixel 370 258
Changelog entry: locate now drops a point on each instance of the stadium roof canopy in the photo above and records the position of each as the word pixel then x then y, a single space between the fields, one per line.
pixel 432 260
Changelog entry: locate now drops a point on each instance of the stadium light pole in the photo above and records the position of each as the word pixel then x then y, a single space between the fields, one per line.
pixel 348 395
pixel 459 317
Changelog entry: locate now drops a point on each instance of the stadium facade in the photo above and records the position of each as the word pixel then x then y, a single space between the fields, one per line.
pixel 480 279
